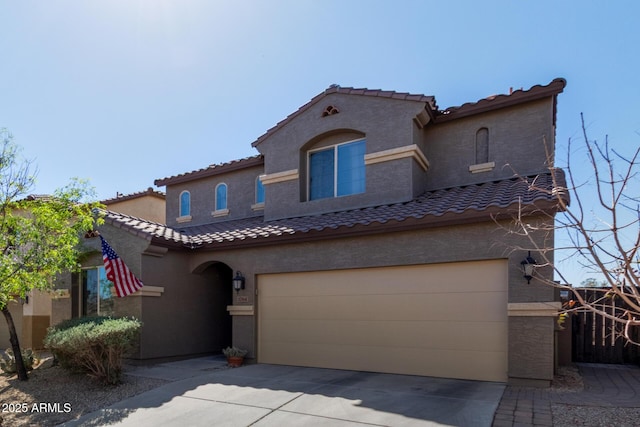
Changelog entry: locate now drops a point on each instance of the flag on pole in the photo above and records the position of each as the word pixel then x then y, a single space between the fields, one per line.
pixel 117 271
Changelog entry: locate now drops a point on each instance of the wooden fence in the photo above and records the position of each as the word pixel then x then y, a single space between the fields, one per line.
pixel 594 339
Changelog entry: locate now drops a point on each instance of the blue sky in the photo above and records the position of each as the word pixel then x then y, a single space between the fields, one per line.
pixel 124 92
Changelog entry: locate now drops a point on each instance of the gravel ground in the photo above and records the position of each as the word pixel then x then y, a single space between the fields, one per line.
pixel 571 415
pixel 52 395
pixel 569 380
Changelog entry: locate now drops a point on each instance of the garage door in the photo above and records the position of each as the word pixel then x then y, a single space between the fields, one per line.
pixel 444 320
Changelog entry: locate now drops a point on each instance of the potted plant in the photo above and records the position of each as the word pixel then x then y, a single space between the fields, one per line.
pixel 235 356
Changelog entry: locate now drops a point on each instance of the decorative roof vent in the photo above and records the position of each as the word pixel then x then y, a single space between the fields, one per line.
pixel 330 111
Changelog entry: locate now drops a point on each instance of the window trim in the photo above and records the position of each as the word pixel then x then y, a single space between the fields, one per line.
pixel 221 211
pixel 259 204
pixel 181 217
pixel 335 168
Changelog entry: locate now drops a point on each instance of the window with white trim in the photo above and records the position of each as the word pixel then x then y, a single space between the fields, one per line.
pixel 337 170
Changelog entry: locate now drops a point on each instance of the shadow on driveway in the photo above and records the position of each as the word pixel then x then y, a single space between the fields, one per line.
pixel 275 395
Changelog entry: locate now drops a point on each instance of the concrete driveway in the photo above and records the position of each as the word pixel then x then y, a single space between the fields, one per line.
pixel 273 395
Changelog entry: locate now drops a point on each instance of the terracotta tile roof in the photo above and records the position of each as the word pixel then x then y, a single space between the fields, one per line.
pixel 500 101
pixel 144 228
pixel 403 96
pixel 214 169
pixel 122 197
pixel 447 206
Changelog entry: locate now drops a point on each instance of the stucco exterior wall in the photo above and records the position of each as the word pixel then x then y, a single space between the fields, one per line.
pixel 516 144
pixel 190 316
pixel 391 181
pixel 384 123
pixel 444 244
pixel 240 197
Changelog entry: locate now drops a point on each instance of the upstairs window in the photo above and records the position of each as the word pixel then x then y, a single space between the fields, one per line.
pixel 221 197
pixel 259 191
pixel 482 145
pixel 185 204
pixel 337 170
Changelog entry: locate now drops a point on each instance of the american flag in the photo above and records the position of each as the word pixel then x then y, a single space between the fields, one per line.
pixel 117 271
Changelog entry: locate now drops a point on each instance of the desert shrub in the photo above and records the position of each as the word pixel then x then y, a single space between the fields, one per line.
pixel 95 345
pixel 8 365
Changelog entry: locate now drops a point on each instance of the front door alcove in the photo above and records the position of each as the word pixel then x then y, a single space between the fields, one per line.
pixel 218 276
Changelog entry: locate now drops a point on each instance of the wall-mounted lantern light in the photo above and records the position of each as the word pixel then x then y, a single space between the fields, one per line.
pixel 238 282
pixel 528 265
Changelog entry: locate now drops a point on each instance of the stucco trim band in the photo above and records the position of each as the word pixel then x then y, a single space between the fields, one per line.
pixel 240 310
pixel 150 291
pixel 545 309
pixel 273 178
pixel 220 212
pixel 185 218
pixel 482 167
pixel 398 153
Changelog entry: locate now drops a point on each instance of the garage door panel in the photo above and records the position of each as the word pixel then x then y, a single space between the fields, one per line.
pixel 441 335
pixel 484 366
pixel 446 320
pixel 391 280
pixel 424 306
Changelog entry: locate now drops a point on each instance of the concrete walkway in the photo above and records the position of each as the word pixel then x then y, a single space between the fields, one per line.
pixel 203 393
pixel 609 386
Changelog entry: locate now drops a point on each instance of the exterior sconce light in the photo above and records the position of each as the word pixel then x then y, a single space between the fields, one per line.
pixel 238 282
pixel 528 265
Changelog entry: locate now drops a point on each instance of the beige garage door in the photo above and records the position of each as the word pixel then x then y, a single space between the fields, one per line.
pixel 444 320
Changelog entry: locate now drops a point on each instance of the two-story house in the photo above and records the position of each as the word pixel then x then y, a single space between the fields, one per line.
pixel 369 233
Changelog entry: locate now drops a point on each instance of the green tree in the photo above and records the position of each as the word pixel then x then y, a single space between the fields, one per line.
pixel 592 282
pixel 39 236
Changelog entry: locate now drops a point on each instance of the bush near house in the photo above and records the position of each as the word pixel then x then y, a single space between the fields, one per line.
pixel 8 364
pixel 93 345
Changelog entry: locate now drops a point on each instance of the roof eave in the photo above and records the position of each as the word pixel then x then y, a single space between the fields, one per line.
pixel 428 100
pixel 211 171
pixel 502 101
pixel 492 214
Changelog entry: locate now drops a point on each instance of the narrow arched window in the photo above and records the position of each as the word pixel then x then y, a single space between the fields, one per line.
pixel 259 191
pixel 221 197
pixel 482 146
pixel 185 203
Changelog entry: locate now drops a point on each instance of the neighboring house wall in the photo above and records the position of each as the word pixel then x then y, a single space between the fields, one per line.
pixel 15 308
pixel 36 319
pixel 148 204
pixel 150 208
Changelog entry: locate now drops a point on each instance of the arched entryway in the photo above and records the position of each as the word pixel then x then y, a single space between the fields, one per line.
pixel 219 295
